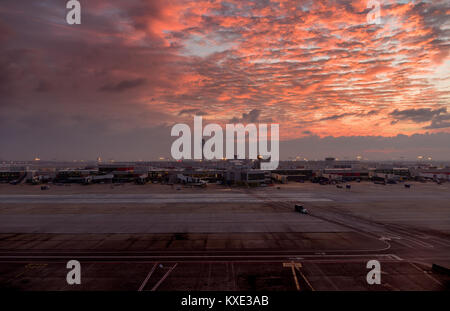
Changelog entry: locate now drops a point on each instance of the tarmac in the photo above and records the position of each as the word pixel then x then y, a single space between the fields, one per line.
pixel 156 237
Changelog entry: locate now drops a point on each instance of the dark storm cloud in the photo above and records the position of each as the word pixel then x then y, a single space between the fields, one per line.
pixel 439 122
pixel 438 117
pixel 336 116
pixel 253 116
pixel 417 115
pixel 372 112
pixel 344 115
pixel 196 112
pixel 250 117
pixel 123 85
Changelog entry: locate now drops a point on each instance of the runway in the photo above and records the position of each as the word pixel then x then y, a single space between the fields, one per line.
pixel 155 198
pixel 219 222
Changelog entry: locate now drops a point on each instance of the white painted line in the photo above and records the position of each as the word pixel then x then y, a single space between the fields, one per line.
pixel 147 278
pixel 425 272
pixel 163 278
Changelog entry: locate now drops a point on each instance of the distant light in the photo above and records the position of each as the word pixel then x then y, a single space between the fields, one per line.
pixel 161 158
pixel 37 159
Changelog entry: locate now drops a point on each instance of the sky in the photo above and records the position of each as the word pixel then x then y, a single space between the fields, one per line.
pixel 114 85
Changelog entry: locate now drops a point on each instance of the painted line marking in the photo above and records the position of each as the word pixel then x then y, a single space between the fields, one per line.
pixel 147 278
pixel 293 266
pixel 305 278
pixel 425 272
pixel 164 277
